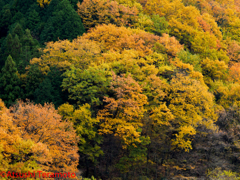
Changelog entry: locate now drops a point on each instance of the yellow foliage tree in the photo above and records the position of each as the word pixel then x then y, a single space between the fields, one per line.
pixel 94 12
pixel 192 105
pixel 122 115
pixel 62 54
pixel 121 38
pixel 165 8
pixel 214 70
pixel 42 3
pixel 226 95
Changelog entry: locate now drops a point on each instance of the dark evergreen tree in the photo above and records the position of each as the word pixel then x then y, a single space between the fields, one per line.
pixel 18 18
pixel 50 89
pixel 56 78
pixel 9 83
pixel 30 47
pixel 52 7
pixel 74 3
pixel 64 24
pixel 2 3
pixel 23 5
pixel 12 47
pixel 44 93
pixel 34 78
pixel 8 45
pixel 17 30
pixel 5 20
pixel 16 49
pixel 33 20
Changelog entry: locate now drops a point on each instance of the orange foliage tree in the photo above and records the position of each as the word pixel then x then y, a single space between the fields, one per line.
pixel 121 38
pixel 233 51
pixel 94 12
pixel 171 45
pixel 234 73
pixel 42 124
pixel 17 154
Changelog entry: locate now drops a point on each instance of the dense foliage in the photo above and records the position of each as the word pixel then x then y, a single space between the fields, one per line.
pixel 121 89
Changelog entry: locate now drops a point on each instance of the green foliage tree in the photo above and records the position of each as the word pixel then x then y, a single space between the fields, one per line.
pixel 87 86
pixel 18 18
pixel 218 173
pixel 86 129
pixel 187 57
pixel 9 83
pixel 160 25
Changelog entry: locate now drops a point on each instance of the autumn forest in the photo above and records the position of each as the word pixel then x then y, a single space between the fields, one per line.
pixel 120 89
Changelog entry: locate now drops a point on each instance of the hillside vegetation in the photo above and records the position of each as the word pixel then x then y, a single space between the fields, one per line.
pixel 120 89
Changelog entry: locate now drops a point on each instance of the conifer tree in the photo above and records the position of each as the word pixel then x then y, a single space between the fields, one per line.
pixel 18 30
pixel 5 19
pixel 30 47
pixel 65 23
pixel 9 83
pixel 34 78
pixel 59 96
pixel 12 47
pixel 8 45
pixel 33 20
pixel 44 92
pixel 50 89
pixel 16 49
pixel 2 3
